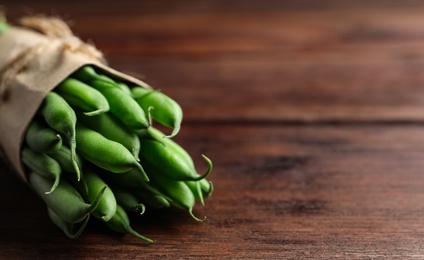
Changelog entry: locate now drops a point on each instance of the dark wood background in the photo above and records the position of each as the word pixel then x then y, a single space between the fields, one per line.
pixel 312 111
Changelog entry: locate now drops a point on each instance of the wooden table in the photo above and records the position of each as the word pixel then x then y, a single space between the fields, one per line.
pixel 312 112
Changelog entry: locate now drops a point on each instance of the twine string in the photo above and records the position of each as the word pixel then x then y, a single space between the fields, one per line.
pixel 57 31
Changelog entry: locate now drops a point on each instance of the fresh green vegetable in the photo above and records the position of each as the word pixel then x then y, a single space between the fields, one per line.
pixel 165 110
pixel 43 165
pixel 61 117
pixel 41 138
pixel 122 105
pixel 121 223
pixel 65 201
pixel 71 230
pixel 104 153
pixel 111 128
pixel 110 143
pixel 83 96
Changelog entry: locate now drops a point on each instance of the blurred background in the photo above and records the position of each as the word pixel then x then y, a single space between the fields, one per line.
pixel 292 60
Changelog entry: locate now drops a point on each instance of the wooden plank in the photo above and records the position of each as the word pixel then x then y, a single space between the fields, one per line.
pixel 282 62
pixel 292 192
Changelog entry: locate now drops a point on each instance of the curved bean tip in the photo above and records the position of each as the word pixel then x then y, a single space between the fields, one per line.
pixel 142 207
pixel 145 177
pixel 53 188
pixel 208 171
pixel 149 116
pixel 95 112
pixel 199 191
pixel 175 131
pixel 133 232
pixel 106 218
pixel 194 217
pixel 211 189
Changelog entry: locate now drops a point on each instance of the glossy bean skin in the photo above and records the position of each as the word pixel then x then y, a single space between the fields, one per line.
pixel 61 117
pixel 107 204
pixel 201 189
pixel 171 158
pixel 43 165
pixel 111 128
pixel 153 200
pixel 65 201
pixel 83 96
pixel 41 138
pixel 71 230
pixel 122 105
pixel 180 194
pixel 104 153
pixel 128 200
pixel 87 74
pixel 63 157
pixel 165 110
pixel 120 223
pixel 132 180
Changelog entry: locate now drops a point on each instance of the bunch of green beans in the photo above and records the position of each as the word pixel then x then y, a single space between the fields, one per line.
pixel 91 151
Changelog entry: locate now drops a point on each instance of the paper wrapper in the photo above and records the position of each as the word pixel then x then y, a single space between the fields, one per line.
pixel 31 65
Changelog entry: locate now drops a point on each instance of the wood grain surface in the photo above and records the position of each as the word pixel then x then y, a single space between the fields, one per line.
pixel 312 111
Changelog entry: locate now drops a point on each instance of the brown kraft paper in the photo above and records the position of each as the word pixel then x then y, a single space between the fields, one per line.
pixel 42 63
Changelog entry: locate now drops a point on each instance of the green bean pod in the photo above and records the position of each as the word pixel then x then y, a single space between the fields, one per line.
pixel 128 200
pixel 65 201
pixel 111 128
pixel 71 230
pixel 61 117
pixel 201 189
pixel 41 138
pixel 132 180
pixel 63 157
pixel 88 74
pixel 166 111
pixel 83 96
pixel 153 200
pixel 180 194
pixel 120 223
pixel 122 105
pixel 174 161
pixel 104 153
pixel 43 165
pixel 107 204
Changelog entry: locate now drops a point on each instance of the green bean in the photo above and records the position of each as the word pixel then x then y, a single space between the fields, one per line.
pixel 63 157
pixel 132 180
pixel 61 117
pixel 107 204
pixel 181 195
pixel 65 201
pixel 104 153
pixel 122 105
pixel 201 189
pixel 43 165
pixel 111 128
pixel 172 158
pixel 166 111
pixel 128 200
pixel 71 230
pixel 121 223
pixel 87 74
pixel 153 200
pixel 41 138
pixel 83 96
